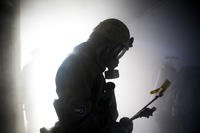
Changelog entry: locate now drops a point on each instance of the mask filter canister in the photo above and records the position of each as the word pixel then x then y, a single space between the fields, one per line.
pixel 112 74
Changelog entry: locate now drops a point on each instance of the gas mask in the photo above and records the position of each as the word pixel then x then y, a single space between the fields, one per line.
pixel 118 52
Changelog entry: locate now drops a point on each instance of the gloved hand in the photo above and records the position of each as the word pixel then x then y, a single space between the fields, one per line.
pixel 126 124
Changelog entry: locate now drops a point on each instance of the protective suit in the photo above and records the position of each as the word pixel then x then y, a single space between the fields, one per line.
pixel 86 101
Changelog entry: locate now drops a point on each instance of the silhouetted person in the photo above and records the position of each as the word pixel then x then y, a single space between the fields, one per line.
pixel 86 102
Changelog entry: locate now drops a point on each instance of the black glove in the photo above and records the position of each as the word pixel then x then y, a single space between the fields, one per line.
pixel 126 124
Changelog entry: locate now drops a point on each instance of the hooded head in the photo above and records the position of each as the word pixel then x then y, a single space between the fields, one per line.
pixel 112 39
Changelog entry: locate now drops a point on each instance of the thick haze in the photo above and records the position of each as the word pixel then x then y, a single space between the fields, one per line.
pixel 54 27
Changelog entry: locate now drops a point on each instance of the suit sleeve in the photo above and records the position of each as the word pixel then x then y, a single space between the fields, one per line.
pixel 74 91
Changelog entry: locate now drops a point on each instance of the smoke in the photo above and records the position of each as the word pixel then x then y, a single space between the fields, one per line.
pixel 55 27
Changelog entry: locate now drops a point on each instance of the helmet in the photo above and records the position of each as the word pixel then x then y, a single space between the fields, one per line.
pixel 114 30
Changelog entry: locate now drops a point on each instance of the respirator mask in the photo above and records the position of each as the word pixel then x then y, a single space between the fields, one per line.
pixel 113 73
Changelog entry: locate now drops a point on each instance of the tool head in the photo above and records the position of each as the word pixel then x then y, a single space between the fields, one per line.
pixel 162 88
